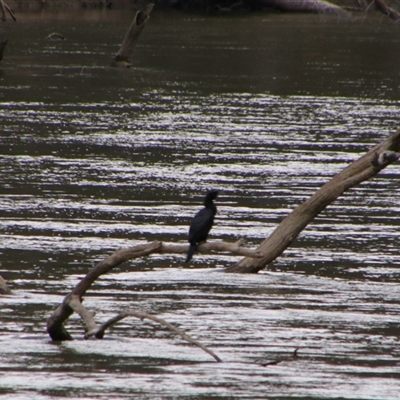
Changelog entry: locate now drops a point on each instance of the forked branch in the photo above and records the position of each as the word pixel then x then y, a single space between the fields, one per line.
pixel 73 301
pixel 93 329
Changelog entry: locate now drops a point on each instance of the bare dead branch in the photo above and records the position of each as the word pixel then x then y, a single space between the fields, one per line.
pixel 364 168
pixel 11 12
pixel 207 247
pixel 93 329
pixel 86 315
pixel 390 12
pixel 3 8
pixel 98 332
pixel 124 55
pixel 55 323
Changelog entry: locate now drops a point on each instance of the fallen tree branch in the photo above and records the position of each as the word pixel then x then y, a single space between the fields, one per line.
pixel 55 324
pixel 287 231
pixel 3 8
pixel 73 301
pixel 390 12
pixel 123 57
pixel 93 329
pixel 217 246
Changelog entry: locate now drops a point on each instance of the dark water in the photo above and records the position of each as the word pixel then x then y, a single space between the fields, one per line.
pixel 265 108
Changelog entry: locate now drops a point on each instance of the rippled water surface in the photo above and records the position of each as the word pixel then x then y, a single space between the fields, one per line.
pixel 264 108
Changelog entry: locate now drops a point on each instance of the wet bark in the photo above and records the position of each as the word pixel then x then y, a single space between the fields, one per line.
pixel 55 324
pixel 73 302
pixel 361 170
pixel 124 55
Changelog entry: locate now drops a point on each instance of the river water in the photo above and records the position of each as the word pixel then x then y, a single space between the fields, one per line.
pixel 265 108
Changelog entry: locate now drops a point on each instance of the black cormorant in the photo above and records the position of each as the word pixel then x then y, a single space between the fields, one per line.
pixel 202 223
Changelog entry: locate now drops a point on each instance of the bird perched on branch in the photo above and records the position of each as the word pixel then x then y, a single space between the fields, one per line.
pixel 202 223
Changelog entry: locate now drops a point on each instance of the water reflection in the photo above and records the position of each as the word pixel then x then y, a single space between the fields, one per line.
pixel 93 160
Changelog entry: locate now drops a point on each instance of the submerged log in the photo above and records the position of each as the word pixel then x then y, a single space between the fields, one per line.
pixel 287 231
pixel 73 301
pixel 124 55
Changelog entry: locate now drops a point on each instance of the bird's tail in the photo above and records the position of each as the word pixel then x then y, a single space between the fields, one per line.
pixel 192 250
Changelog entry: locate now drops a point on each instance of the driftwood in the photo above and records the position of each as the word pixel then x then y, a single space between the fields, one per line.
pixel 3 8
pixel 361 170
pixel 124 55
pixel 73 301
pixel 305 6
pixel 390 12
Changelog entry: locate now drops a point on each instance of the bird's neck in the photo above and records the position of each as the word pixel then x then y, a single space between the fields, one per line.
pixel 210 204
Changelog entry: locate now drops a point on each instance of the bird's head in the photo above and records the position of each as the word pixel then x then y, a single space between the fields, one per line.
pixel 212 194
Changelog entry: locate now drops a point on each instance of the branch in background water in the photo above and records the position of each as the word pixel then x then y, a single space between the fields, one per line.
pixel 124 55
pixel 306 6
pixel 390 12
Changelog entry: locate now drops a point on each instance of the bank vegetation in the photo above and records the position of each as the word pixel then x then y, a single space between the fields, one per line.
pixel 338 7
